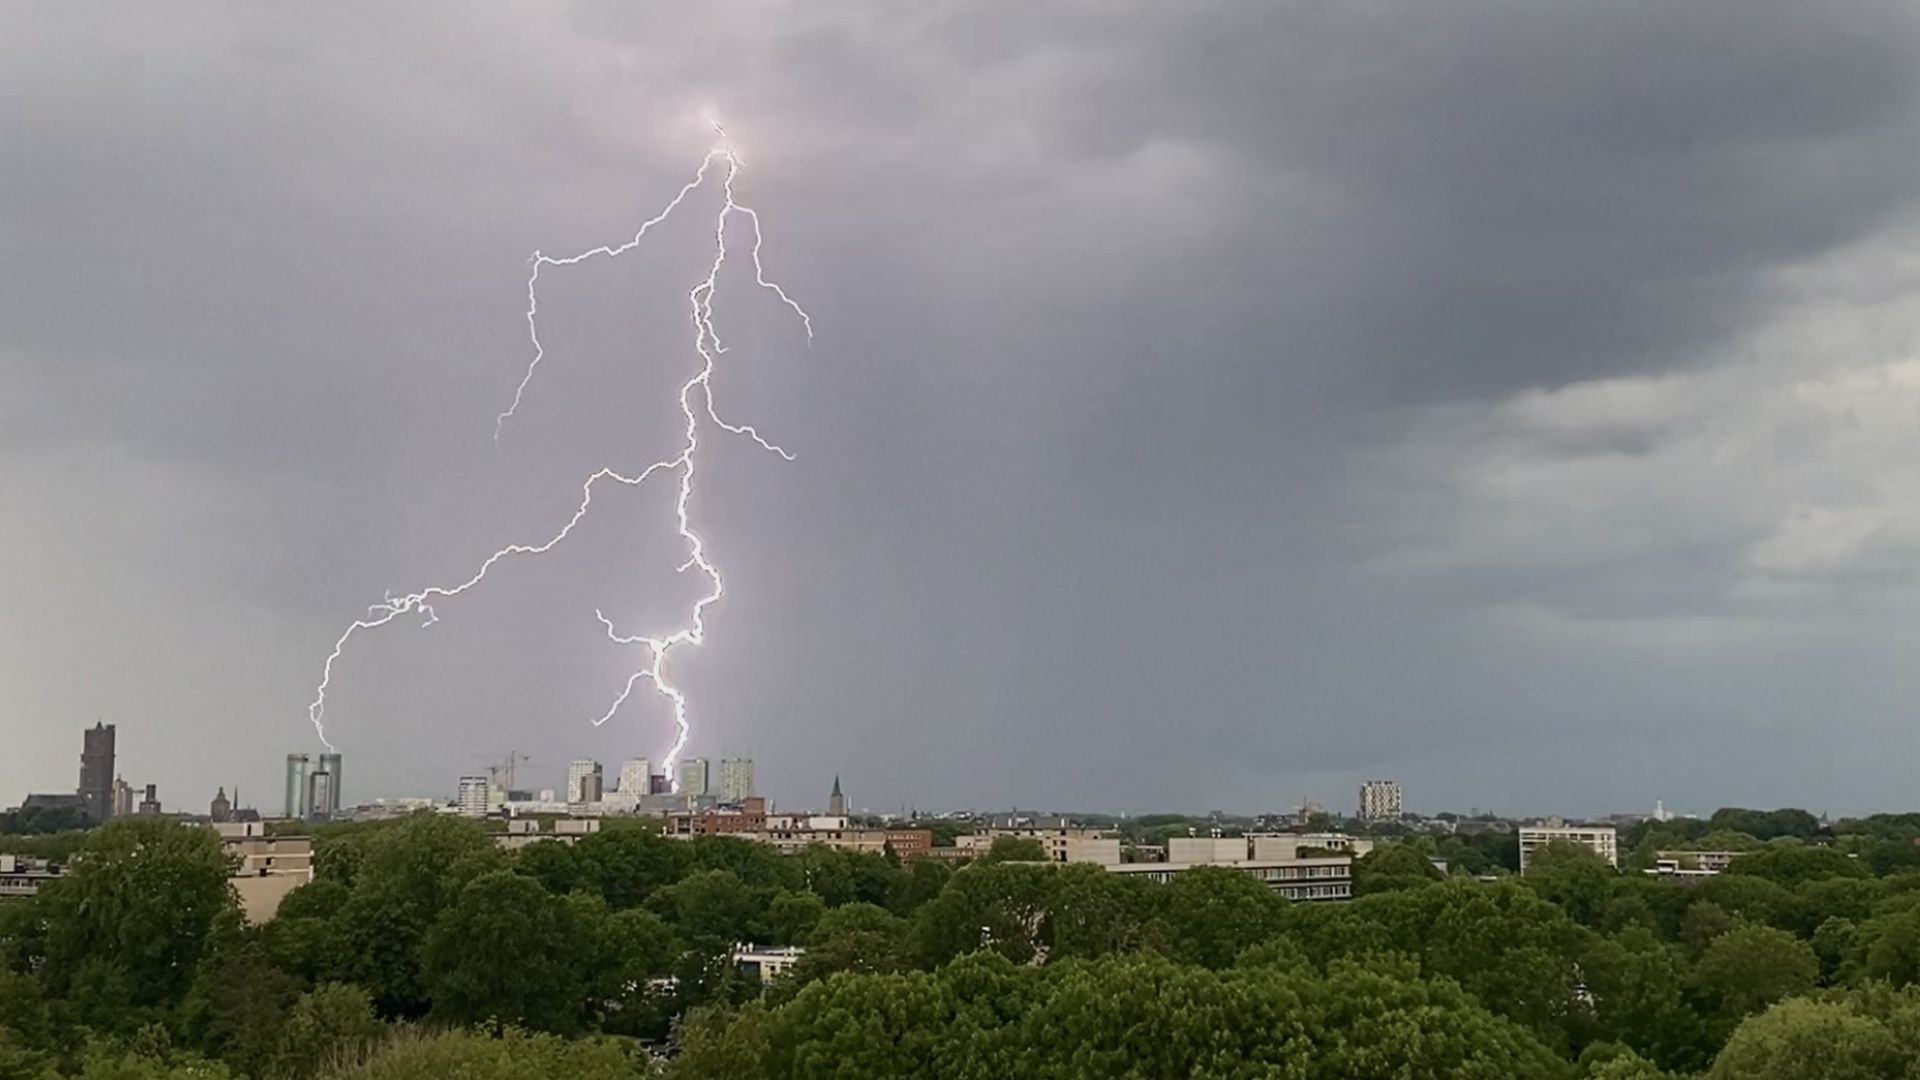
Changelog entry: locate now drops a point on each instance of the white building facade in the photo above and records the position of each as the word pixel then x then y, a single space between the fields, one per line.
pixel 1600 839
pixel 1380 800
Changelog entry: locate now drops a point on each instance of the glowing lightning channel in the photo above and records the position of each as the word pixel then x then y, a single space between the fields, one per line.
pixel 706 343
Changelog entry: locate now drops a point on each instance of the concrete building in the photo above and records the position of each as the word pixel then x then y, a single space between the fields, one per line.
pixel 1601 839
pixel 590 787
pixel 836 802
pixel 736 779
pixel 267 868
pixel 475 796
pixel 122 797
pixel 221 808
pixel 96 771
pixel 634 777
pixel 1062 843
pixel 577 773
pixel 522 832
pixel 296 786
pixel 693 777
pixel 1380 800
pixel 150 806
pixel 21 876
pixel 1707 862
pixel 766 962
pixel 1295 879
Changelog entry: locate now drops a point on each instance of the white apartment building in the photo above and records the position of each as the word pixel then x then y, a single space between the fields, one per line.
pixel 1380 800
pixel 1601 839
pixel 475 798
pixel 577 773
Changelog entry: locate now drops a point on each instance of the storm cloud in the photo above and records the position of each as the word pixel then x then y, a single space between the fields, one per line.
pixel 1210 406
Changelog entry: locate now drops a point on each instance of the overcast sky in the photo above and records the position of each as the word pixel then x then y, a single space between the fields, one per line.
pixel 1210 406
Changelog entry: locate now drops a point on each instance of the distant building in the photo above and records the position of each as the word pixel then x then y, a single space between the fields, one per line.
pixel 693 777
pixel 1707 862
pixel 1062 843
pixel 60 800
pixel 1380 800
pixel 590 791
pixel 736 779
pixel 150 806
pixel 474 796
pixel 96 771
pixel 1600 839
pixel 836 802
pixel 296 784
pixel 635 777
pixel 330 764
pixel 122 797
pixel 577 774
pixel 21 876
pixel 1296 879
pixel 266 868
pixel 320 795
pixel 766 962
pixel 221 809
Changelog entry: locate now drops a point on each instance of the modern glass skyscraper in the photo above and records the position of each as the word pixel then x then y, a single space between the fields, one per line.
pixel 693 776
pixel 330 764
pixel 296 807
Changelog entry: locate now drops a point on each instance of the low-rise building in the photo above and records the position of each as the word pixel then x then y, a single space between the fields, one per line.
pixel 524 831
pixel 1062 843
pixel 1320 879
pixel 1600 839
pixel 766 962
pixel 21 876
pixel 266 868
pixel 1708 862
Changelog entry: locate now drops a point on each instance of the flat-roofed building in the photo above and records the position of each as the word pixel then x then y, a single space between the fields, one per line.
pixel 266 868
pixel 1060 843
pixel 1600 839
pixel 1296 879
pixel 21 876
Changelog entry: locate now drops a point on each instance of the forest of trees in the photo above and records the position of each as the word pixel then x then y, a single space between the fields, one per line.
pixel 423 950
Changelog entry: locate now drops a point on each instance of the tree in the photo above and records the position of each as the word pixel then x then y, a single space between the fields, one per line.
pixel 1750 967
pixel 626 866
pixel 1796 864
pixel 130 920
pixel 551 863
pixel 1210 913
pixel 1575 878
pixel 1637 984
pixel 1810 1040
pixel 1765 824
pixel 855 937
pixel 409 873
pixel 1015 849
pixel 1391 867
pixel 501 1054
pixel 238 1003
pixel 508 950
pixel 709 906
pixel 1095 913
pixel 998 906
pixel 327 1025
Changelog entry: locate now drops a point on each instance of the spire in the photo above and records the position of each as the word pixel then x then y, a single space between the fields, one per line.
pixel 836 784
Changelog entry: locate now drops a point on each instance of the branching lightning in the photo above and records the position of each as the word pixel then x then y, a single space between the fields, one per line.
pixel 706 344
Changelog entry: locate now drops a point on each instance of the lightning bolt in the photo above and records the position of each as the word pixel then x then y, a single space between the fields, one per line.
pixel 707 345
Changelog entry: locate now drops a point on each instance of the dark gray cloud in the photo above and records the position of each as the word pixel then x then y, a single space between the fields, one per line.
pixel 1207 409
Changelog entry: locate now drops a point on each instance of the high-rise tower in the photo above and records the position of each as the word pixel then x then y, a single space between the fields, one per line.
pixel 296 807
pixel 836 802
pixel 330 764
pixel 96 771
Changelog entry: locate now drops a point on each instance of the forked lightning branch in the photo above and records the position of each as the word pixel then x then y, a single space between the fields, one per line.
pixel 700 414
